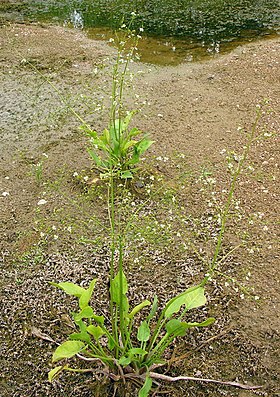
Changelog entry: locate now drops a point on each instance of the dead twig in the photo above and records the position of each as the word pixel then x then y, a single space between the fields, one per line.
pixel 39 334
pixel 166 378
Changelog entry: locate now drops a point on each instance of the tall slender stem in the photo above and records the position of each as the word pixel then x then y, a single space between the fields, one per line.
pixel 225 214
pixel 122 325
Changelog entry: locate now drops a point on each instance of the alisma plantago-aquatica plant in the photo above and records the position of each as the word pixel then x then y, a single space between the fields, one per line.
pixel 120 346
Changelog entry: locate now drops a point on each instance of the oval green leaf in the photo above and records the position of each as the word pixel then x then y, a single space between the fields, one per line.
pixel 192 298
pixel 176 327
pixel 136 350
pixel 143 334
pixel 70 288
pixel 87 312
pixel 124 361
pixel 68 349
pixel 86 295
pixel 96 332
pixel 83 336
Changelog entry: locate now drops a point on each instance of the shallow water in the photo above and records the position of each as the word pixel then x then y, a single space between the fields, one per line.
pixel 172 51
pixel 175 30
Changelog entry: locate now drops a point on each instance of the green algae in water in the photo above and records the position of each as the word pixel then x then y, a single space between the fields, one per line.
pixel 203 19
pixel 175 30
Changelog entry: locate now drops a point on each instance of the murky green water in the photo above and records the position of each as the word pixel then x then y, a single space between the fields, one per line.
pixel 175 30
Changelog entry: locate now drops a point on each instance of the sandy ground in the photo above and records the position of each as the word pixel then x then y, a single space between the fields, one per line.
pixel 193 110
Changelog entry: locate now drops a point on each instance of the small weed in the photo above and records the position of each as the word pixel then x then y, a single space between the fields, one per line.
pixel 34 256
pixel 37 169
pixel 118 148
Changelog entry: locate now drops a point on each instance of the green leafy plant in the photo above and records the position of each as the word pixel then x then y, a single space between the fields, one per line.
pixel 131 342
pixel 37 169
pixel 117 150
pixel 116 345
pixel 126 353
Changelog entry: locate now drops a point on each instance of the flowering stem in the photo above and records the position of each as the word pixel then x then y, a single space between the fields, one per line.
pixel 227 206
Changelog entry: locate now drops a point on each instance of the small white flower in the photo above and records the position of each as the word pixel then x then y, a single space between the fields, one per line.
pixel 42 234
pixel 55 237
pixel 265 228
pixel 75 174
pixel 42 202
pixel 267 134
pixel 111 40
pixel 123 25
pixel 5 194
pixel 257 298
pixel 69 229
pixel 45 155
pixel 133 14
pixel 86 178
pixel 53 227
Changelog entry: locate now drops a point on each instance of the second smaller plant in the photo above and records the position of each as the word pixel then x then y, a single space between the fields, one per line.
pixel 117 150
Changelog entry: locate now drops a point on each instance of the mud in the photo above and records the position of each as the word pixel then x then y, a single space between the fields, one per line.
pixel 192 109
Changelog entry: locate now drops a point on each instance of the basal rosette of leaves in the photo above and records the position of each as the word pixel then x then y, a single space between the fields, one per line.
pixel 124 349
